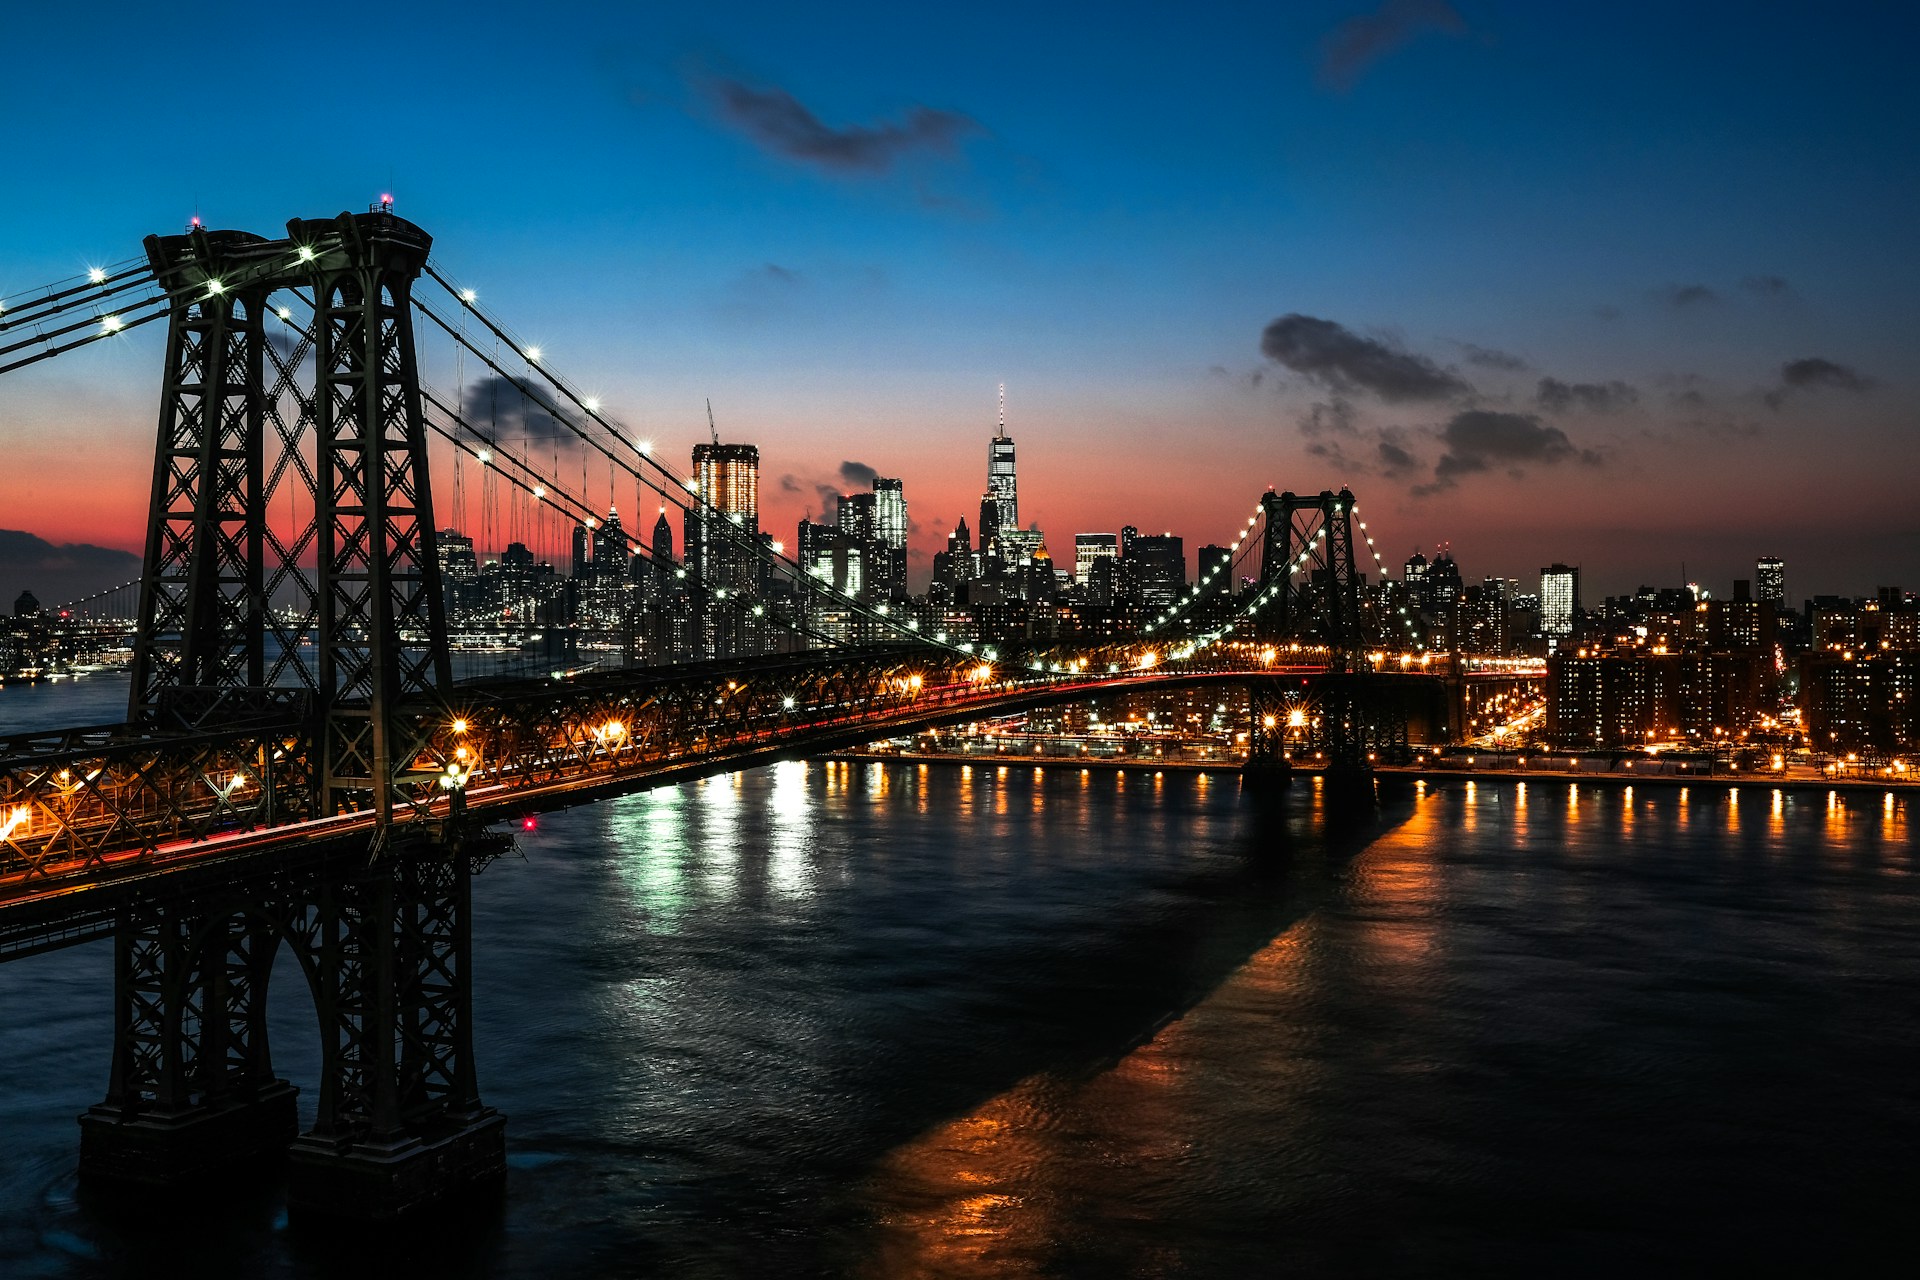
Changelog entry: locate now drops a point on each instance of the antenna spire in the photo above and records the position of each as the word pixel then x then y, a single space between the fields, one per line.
pixel 1003 408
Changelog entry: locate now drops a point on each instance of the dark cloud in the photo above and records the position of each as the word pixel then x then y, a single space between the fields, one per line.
pixel 1683 296
pixel 506 409
pixel 59 573
pixel 790 483
pixel 1814 373
pixel 1334 434
pixel 780 275
pixel 1691 398
pixel 1341 360
pixel 1556 396
pixel 1767 286
pixel 1483 439
pixel 1493 358
pixel 782 125
pixel 1395 460
pixel 858 474
pixel 1357 43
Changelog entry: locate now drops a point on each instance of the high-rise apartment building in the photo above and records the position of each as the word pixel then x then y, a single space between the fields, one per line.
pixel 727 480
pixel 1559 600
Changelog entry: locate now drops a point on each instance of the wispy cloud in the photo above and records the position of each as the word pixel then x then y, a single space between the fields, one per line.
pixel 1363 39
pixel 781 125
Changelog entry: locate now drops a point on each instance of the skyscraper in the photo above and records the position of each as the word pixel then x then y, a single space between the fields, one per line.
pixel 728 480
pixel 1771 576
pixel 1559 600
pixel 1003 493
pixel 890 531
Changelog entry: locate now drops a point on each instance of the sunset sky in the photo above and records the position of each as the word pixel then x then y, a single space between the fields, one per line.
pixel 1628 286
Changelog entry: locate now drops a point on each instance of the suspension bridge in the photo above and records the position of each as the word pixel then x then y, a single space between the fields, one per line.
pixel 299 766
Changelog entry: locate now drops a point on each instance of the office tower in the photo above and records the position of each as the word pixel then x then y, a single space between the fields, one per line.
pixel 1217 561
pixel 890 513
pixel 610 548
pixel 1771 576
pixel 582 550
pixel 1559 600
pixel 960 554
pixel 457 561
pixel 890 535
pixel 1088 547
pixel 1414 576
pixel 855 516
pixel 1162 565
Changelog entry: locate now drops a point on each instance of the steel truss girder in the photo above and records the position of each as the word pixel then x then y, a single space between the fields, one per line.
pixel 386 953
pixel 92 799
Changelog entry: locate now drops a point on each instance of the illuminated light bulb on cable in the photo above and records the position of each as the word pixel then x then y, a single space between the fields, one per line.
pixel 469 297
pixel 484 456
pixel 533 354
pixel 215 287
pixel 111 324
pixel 593 404
pixel 539 491
pixel 96 275
pixel 285 313
pixel 306 253
pixel 644 447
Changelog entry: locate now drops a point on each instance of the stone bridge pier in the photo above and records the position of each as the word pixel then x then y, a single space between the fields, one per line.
pixel 383 939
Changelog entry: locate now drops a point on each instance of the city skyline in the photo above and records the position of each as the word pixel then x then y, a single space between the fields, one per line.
pixel 1660 319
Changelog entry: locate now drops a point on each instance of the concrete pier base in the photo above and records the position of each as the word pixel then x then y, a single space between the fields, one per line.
pixel 1348 788
pixel 179 1148
pixel 375 1182
pixel 1268 774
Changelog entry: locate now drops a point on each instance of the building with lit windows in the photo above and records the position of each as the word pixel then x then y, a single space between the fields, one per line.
pixel 1088 547
pixel 1559 600
pixel 1770 580
pixel 726 479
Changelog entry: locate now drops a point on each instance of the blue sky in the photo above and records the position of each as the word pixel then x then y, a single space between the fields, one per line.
pixel 847 230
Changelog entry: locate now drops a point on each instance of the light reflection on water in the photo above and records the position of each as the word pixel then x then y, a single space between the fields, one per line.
pixel 895 1020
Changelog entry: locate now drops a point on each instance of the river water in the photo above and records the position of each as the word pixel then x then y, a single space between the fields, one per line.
pixel 898 1020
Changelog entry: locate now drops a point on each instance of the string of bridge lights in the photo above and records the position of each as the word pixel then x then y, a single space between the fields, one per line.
pixel 1413 631
pixel 1199 586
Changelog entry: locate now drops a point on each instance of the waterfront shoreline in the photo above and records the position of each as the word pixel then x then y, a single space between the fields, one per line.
pixel 1424 772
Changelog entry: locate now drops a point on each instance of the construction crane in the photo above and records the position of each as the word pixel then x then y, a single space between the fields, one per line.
pixel 713 430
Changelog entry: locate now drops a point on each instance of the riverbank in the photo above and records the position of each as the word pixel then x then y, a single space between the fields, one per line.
pixel 1430 771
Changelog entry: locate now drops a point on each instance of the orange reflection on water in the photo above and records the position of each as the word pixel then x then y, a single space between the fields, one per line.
pixel 1002 1190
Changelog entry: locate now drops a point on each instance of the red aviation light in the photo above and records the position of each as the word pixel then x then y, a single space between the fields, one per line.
pixel 529 823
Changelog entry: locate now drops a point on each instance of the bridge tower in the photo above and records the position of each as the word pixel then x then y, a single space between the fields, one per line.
pixel 1345 719
pixel 230 605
